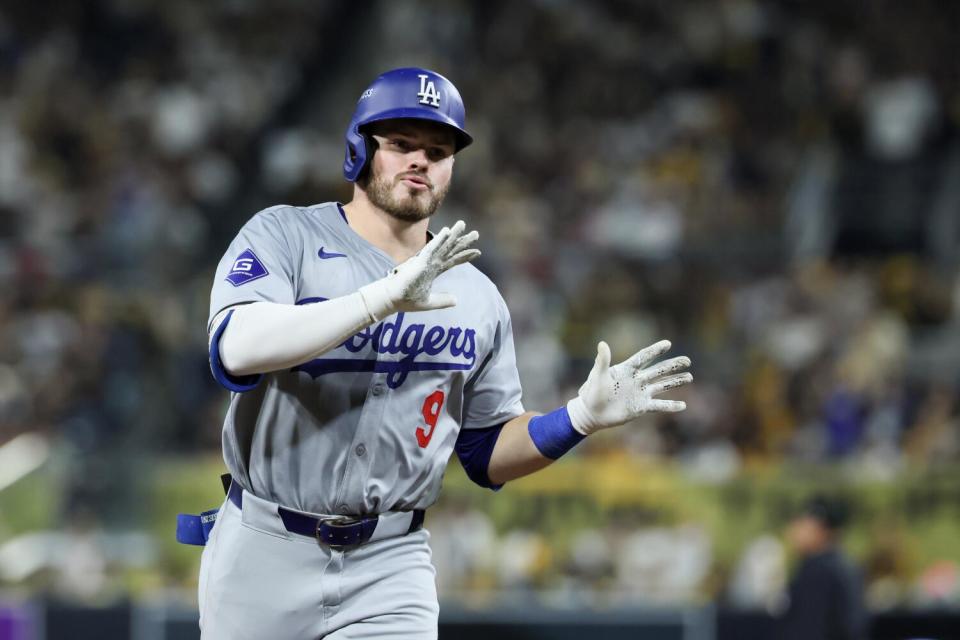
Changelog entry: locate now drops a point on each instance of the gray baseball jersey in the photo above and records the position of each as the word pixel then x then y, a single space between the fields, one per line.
pixel 370 425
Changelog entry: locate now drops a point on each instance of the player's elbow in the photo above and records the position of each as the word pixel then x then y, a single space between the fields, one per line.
pixel 235 362
pixel 238 353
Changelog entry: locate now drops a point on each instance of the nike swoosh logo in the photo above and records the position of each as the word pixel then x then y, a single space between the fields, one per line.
pixel 326 256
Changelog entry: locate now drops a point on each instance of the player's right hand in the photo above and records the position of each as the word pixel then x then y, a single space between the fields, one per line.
pixel 618 394
pixel 408 285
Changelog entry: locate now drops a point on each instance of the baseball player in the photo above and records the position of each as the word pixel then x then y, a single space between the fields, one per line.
pixel 362 350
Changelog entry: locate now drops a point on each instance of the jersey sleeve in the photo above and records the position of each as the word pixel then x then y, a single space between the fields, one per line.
pixel 260 265
pixel 493 395
pixel 237 384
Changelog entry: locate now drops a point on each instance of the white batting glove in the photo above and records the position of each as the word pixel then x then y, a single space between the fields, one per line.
pixel 618 394
pixel 407 286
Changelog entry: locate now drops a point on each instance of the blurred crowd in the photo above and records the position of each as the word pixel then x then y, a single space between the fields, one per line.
pixel 774 187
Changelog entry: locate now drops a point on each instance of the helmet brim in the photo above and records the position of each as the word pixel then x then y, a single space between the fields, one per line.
pixel 461 137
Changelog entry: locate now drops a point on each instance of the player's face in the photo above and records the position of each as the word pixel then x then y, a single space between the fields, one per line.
pixel 411 169
pixel 805 534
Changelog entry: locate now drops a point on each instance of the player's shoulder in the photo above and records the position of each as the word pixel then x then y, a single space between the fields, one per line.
pixel 480 283
pixel 294 223
pixel 291 214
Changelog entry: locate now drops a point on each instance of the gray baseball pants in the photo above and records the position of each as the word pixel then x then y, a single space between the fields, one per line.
pixel 258 582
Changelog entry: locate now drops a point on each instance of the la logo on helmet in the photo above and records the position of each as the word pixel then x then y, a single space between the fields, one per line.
pixel 428 93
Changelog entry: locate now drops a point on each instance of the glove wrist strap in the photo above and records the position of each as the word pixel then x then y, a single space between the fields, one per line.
pixel 580 418
pixel 377 300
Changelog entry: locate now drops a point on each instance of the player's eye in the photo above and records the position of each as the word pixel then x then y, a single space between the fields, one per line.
pixel 401 144
pixel 437 153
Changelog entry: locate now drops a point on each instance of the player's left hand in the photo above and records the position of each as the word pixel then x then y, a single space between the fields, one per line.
pixel 618 394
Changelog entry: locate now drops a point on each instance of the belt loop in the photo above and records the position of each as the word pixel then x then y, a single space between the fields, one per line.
pixel 416 523
pixel 235 494
pixel 225 480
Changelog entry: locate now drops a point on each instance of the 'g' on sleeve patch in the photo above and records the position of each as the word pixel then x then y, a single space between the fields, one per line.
pixel 246 268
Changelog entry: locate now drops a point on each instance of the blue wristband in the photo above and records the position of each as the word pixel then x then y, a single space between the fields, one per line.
pixel 553 433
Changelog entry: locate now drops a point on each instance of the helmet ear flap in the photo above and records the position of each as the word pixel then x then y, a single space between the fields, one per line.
pixel 369 146
pixel 357 156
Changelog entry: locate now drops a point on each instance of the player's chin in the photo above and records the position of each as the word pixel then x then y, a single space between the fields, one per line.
pixel 421 200
pixel 411 210
pixel 415 205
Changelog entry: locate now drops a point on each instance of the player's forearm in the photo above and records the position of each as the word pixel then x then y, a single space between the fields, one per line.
pixel 515 455
pixel 265 336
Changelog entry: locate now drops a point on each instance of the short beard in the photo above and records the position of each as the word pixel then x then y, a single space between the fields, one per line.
pixel 412 209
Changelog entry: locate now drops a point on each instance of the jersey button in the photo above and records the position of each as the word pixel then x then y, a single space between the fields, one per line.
pixel 343 508
pixel 360 450
pixel 378 389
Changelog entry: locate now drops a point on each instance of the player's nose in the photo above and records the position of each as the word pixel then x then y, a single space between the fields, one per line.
pixel 417 157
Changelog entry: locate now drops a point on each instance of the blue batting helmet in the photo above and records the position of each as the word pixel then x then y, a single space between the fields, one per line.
pixel 409 92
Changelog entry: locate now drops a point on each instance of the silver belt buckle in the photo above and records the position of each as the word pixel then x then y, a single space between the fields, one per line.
pixel 335 522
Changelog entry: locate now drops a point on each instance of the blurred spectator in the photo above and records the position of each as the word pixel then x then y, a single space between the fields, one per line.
pixel 938 585
pixel 464 545
pixel 825 595
pixel 663 565
pixel 760 575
